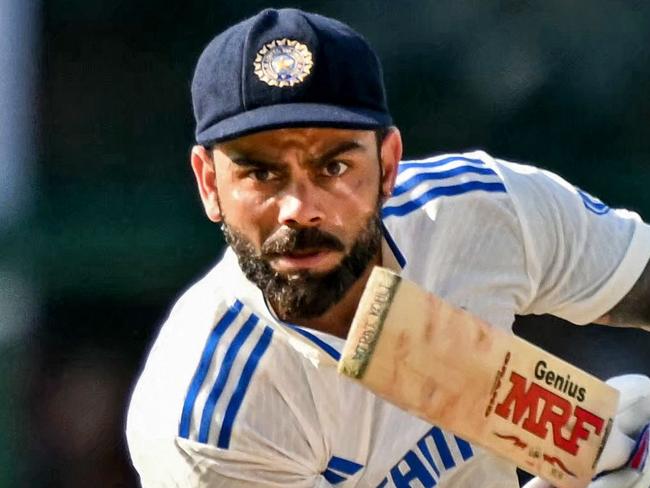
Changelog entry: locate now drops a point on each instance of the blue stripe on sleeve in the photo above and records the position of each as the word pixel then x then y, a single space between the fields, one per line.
pixel 242 386
pixel 464 447
pixel 344 465
pixel 204 365
pixel 316 340
pixel 418 178
pixel 435 163
pixel 222 377
pixel 433 193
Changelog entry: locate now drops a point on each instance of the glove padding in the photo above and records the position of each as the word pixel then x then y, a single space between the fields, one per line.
pixel 633 419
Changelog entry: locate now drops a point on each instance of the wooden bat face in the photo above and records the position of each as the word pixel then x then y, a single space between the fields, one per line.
pixel 484 384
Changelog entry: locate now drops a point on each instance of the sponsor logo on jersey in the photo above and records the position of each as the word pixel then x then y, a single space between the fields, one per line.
pixel 434 454
pixel 340 469
pixel 592 203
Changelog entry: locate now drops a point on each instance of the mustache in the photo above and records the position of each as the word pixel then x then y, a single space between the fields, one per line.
pixel 290 240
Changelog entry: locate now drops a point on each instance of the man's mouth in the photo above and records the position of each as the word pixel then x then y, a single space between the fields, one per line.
pixel 305 259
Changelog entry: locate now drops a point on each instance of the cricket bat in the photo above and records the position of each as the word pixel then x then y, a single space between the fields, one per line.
pixel 481 383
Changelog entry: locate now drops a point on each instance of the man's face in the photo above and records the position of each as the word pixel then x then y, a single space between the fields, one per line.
pixel 300 208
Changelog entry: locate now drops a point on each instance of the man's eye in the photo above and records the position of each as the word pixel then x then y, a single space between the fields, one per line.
pixel 261 175
pixel 335 168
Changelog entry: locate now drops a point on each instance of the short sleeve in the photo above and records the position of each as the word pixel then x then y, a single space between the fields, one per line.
pixel 582 257
pixel 241 415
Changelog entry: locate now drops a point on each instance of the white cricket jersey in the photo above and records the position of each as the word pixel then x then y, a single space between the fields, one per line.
pixel 227 398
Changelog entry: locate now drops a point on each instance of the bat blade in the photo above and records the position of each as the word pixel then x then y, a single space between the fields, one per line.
pixel 481 383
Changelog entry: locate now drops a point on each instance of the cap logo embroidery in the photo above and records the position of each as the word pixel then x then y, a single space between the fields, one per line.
pixel 283 62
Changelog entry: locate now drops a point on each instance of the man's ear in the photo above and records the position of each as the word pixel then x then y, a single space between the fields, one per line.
pixel 206 180
pixel 391 155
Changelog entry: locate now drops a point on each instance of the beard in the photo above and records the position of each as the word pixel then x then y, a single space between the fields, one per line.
pixel 305 294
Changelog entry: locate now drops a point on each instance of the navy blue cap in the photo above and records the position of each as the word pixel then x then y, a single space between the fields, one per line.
pixel 287 68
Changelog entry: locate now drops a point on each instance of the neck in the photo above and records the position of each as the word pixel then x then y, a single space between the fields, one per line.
pixel 338 318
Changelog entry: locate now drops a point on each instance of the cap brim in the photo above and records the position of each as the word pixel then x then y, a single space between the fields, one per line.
pixel 292 115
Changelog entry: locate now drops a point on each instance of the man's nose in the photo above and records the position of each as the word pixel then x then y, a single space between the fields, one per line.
pixel 300 206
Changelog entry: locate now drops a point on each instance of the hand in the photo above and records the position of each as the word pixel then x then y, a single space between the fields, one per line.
pixel 633 420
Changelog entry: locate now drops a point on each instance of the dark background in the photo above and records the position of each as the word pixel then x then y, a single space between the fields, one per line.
pixel 114 231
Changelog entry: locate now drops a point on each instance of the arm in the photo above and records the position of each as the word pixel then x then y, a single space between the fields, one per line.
pixel 634 308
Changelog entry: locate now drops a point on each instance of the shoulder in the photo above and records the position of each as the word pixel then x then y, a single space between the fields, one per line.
pixel 426 182
pixel 219 368
pixel 461 192
pixel 173 357
pixel 448 199
pixel 458 230
pixel 459 177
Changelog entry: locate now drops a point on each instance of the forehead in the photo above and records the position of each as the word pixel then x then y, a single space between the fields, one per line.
pixel 311 141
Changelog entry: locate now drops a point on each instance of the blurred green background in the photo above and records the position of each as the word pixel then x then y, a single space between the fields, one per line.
pixel 102 227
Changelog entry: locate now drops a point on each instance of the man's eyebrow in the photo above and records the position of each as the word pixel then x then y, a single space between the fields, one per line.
pixel 346 146
pixel 337 151
pixel 245 161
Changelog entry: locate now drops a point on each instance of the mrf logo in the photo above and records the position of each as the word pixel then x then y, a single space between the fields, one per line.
pixel 543 412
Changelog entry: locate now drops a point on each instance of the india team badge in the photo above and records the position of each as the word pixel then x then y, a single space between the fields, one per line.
pixel 283 62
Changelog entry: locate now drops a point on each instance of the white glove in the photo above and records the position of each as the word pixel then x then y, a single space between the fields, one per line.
pixel 633 421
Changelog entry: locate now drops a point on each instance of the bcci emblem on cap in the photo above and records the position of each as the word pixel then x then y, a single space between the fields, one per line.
pixel 283 62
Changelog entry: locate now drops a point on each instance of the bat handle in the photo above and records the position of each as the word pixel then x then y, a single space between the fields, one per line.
pixel 617 451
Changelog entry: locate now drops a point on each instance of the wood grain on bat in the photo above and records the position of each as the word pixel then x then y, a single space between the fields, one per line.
pixel 456 371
